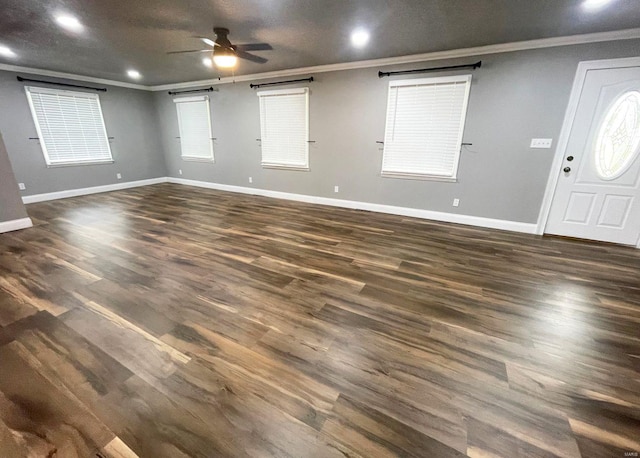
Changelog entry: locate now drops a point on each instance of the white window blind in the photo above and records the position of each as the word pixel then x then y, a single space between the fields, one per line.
pixel 69 125
pixel 284 127
pixel 425 123
pixel 194 121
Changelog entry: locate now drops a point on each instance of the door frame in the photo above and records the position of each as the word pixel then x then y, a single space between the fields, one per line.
pixel 565 132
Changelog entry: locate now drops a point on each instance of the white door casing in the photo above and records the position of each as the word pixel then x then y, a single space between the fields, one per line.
pixel 597 190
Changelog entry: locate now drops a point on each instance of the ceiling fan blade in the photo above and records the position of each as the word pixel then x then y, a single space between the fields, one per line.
pixel 254 47
pixel 251 57
pixel 209 41
pixel 190 50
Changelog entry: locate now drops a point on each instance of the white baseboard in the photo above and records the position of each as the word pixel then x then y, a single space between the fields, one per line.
pixel 92 190
pixel 15 224
pixel 529 228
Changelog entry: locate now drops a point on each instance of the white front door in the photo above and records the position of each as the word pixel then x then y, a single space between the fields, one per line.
pixel 598 192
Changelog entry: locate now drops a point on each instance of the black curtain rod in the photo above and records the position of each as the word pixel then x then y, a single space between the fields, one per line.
pixel 101 89
pixel 191 91
pixel 433 69
pixel 309 80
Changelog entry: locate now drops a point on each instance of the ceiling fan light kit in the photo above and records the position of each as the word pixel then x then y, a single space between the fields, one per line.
pixel 225 57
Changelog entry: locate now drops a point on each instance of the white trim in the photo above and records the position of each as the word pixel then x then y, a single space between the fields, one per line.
pixel 567 124
pixel 505 225
pixel 416 176
pixel 92 190
pixel 266 165
pixel 198 159
pixel 56 165
pixel 16 224
pixel 515 226
pixel 429 81
pixel 288 91
pixel 71 76
pixel 194 98
pixel 627 34
pixel 49 90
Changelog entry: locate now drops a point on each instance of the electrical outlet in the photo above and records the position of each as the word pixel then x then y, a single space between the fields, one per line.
pixel 336 189
pixel 180 171
pixel 119 176
pixel 456 202
pixel 250 179
pixel 541 143
pixel 22 186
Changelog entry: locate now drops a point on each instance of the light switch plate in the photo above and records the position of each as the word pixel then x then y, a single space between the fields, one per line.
pixel 541 143
pixel 22 186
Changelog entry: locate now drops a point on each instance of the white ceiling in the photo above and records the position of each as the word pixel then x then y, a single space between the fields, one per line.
pixel 119 35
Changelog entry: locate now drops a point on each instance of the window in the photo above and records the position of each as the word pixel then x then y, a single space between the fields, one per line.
pixel 425 122
pixel 618 142
pixel 194 122
pixel 70 126
pixel 284 127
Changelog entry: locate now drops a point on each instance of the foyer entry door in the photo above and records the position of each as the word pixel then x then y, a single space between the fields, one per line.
pixel 598 192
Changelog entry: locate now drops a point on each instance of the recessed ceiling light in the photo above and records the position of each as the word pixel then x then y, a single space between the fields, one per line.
pixel 359 38
pixel 134 74
pixel 207 62
pixel 69 22
pixel 594 4
pixel 6 52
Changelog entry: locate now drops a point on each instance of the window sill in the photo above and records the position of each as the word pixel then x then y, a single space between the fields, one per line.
pixel 409 176
pixel 75 164
pixel 197 159
pixel 285 167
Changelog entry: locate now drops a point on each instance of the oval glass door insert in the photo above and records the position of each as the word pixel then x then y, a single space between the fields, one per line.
pixel 618 141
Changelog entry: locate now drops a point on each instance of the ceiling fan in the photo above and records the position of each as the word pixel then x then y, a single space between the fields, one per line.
pixel 225 54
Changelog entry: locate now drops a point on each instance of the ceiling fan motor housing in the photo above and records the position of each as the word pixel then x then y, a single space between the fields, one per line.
pixel 222 37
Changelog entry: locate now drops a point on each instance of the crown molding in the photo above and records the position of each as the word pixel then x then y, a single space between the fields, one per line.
pixel 71 76
pixel 627 34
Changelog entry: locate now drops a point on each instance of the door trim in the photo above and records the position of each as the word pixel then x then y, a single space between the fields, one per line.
pixel 567 124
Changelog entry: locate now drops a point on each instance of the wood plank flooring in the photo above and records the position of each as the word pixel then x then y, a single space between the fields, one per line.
pixel 170 321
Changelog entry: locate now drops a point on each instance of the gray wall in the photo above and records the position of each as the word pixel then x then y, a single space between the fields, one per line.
pixel 514 97
pixel 129 117
pixel 10 202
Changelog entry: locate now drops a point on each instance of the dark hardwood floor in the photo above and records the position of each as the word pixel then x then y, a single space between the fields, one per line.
pixel 170 321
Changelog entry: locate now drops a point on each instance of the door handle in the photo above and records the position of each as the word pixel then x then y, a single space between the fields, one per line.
pixel 567 169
